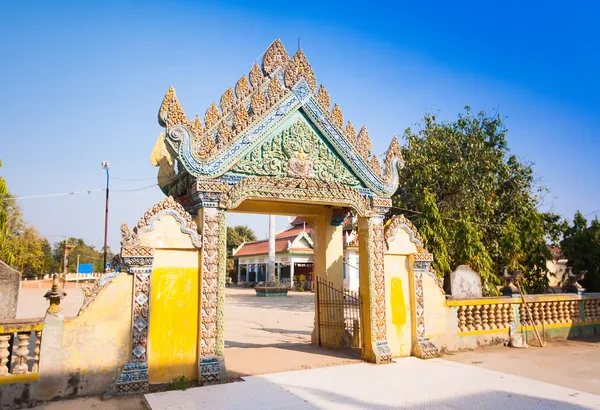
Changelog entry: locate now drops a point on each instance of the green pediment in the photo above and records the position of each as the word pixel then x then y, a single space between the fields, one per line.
pixel 296 149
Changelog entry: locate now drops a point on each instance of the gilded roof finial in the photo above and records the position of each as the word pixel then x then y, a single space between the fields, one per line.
pixel 227 101
pixel 240 119
pixel 350 133
pixel 242 88
pixel 299 67
pixel 162 112
pixel 337 117
pixel 323 98
pixel 175 114
pixel 212 116
pixel 206 147
pixel 364 145
pixel 256 77
pixel 274 57
pixel 375 165
pixel 394 151
pixel 258 103
pixel 275 91
pixel 224 134
pixel 197 127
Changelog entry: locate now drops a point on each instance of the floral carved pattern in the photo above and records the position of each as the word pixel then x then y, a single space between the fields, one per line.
pixel 210 267
pixel 299 142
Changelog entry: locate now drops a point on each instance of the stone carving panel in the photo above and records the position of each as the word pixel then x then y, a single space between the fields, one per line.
pixel 297 152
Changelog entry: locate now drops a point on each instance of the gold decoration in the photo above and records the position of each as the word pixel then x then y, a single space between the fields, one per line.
pixel 242 89
pixel 337 117
pixel 197 127
pixel 298 68
pixel 240 119
pixel 227 101
pixel 206 147
pixel 258 103
pixel 274 57
pixel 212 116
pixel 323 98
pixel 275 92
pixel 224 134
pixel 397 221
pixel 297 189
pixel 161 157
pixel 256 77
pixel 375 165
pixel 162 112
pixel 350 133
pixel 299 141
pixel 175 114
pixel 394 151
pixel 363 144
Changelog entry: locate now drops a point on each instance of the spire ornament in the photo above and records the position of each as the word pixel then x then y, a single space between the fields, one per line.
pixel 162 112
pixel 364 145
pixel 256 77
pixel 227 101
pixel 275 92
pixel 337 117
pixel 375 165
pixel 242 88
pixel 323 98
pixel 258 104
pixel 350 133
pixel 240 119
pixel 274 57
pixel 224 133
pixel 207 147
pixel 298 68
pixel 175 114
pixel 394 151
pixel 197 127
pixel 212 116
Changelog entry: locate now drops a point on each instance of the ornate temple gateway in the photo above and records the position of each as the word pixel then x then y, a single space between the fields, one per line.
pixel 273 145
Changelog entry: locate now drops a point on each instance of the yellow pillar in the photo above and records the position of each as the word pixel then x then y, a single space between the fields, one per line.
pixel 372 288
pixel 211 338
pixel 328 264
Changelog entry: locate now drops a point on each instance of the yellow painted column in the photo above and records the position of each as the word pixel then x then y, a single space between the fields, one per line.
pixel 328 264
pixel 211 338
pixel 372 287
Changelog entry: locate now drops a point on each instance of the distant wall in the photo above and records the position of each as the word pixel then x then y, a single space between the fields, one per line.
pixel 85 355
pixel 9 291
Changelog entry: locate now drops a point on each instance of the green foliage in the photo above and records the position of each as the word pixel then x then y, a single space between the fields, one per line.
pixel 7 204
pixel 236 236
pixel 478 201
pixel 178 383
pixel 87 254
pixel 581 248
pixel 432 229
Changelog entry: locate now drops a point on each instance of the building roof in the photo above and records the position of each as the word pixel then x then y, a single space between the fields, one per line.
pixel 282 241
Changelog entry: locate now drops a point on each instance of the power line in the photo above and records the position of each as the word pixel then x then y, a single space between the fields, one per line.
pixel 89 191
pixel 443 217
pixel 134 179
pixel 593 212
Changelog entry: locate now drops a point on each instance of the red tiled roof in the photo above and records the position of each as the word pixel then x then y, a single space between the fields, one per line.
pixel 281 242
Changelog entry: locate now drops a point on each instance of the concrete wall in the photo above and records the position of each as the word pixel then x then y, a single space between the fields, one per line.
pixel 397 293
pixel 84 355
pixel 9 291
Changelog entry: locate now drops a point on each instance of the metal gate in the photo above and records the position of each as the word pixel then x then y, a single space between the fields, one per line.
pixel 339 316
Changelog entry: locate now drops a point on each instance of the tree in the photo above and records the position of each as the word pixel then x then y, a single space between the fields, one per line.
pixel 10 221
pixel 87 254
pixel 581 248
pixel 27 248
pixel 235 237
pixel 484 198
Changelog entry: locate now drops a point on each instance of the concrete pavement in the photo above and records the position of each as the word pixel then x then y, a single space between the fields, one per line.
pixel 408 383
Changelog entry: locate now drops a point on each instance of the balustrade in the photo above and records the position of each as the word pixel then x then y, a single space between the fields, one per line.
pixel 488 314
pixel 17 339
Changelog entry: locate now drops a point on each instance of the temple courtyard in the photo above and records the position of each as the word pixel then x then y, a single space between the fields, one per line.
pixel 272 364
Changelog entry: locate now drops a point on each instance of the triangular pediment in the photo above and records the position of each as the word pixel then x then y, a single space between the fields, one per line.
pixel 274 99
pixel 296 149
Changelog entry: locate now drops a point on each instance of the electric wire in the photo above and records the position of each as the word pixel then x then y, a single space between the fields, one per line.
pixel 87 191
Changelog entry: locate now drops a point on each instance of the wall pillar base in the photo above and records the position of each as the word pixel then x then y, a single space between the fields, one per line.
pixel 133 379
pixel 211 370
pixel 425 349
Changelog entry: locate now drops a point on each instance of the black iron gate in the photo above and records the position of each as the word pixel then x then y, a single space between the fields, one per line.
pixel 339 316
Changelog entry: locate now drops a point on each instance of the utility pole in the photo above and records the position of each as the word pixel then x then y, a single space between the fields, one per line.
pixel 106 166
pixel 271 269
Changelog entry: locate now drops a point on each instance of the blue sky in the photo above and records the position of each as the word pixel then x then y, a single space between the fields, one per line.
pixel 82 82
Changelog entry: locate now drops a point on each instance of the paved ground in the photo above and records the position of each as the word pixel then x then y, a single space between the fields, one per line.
pixel 33 304
pixel 408 383
pixel 573 364
pixel 270 335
